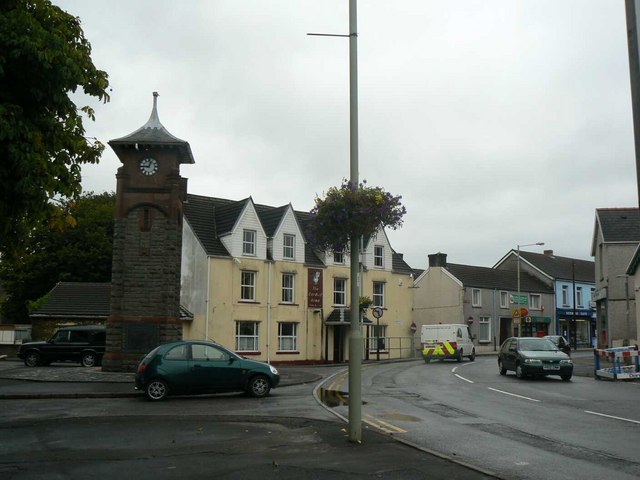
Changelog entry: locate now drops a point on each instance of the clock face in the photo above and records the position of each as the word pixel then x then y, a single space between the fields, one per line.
pixel 148 166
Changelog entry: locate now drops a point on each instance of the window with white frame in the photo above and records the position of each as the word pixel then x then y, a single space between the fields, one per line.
pixel 476 297
pixel 287 337
pixel 289 246
pixel 247 336
pixel 504 299
pixel 579 297
pixel 485 329
pixel 338 257
pixel 378 256
pixel 378 294
pixel 378 339
pixel 249 242
pixel 565 295
pixel 339 291
pixel 248 286
pixel 288 284
pixel 535 300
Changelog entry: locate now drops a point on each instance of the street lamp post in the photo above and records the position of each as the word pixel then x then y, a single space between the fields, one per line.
pixel 627 335
pixel 355 333
pixel 518 270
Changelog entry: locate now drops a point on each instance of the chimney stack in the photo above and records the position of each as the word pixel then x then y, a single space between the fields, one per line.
pixel 438 260
pixel 548 253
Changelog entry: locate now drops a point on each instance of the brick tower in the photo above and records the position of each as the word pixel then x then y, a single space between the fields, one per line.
pixel 147 244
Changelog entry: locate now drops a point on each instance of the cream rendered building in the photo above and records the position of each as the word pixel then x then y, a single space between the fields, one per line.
pixel 253 284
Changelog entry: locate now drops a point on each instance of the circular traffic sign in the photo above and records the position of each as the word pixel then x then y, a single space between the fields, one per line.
pixel 377 312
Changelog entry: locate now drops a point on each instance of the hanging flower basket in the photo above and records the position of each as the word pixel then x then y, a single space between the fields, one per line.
pixel 352 211
pixel 365 302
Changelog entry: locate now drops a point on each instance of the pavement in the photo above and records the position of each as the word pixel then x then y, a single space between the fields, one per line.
pixel 326 452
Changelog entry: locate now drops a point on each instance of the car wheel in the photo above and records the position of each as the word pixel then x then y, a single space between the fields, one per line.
pixel 472 357
pixel 503 371
pixel 519 371
pixel 259 386
pixel 565 378
pixel 157 390
pixel 32 359
pixel 427 360
pixel 459 357
pixel 89 359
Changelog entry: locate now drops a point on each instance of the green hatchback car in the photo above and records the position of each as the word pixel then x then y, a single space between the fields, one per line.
pixel 533 356
pixel 191 367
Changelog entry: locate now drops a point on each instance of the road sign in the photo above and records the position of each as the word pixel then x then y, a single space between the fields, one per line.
pixel 377 312
pixel 519 299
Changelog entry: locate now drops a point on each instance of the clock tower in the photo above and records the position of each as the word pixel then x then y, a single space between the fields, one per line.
pixel 147 243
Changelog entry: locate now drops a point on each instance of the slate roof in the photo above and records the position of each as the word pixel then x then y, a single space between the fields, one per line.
pixel 562 268
pixel 619 224
pixel 212 217
pixel 227 214
pixel 310 256
pixel 154 133
pixel 77 299
pixel 399 265
pixel 270 217
pixel 484 277
pixel 82 300
pixel 200 212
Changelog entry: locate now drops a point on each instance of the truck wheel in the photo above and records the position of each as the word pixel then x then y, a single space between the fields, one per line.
pixel 459 357
pixel 89 359
pixel 32 359
pixel 427 360
pixel 472 357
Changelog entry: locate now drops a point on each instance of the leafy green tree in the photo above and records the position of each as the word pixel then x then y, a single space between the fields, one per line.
pixel 44 57
pixel 70 251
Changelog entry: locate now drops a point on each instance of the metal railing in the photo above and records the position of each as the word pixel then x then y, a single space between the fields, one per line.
pixel 390 347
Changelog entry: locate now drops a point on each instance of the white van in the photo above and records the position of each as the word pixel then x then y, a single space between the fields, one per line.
pixel 442 341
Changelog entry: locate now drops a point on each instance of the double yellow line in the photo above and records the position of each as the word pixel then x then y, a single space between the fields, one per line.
pixel 386 427
pixel 382 425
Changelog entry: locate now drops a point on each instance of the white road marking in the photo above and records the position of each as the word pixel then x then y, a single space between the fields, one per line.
pixel 513 394
pixel 462 378
pixel 611 416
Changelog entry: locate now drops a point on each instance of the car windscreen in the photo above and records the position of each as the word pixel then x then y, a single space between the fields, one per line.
pixel 537 344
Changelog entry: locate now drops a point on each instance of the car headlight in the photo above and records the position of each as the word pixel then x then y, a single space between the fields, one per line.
pixel 533 361
pixel 566 362
pixel 273 370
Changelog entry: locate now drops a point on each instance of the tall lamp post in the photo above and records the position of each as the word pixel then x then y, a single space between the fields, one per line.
pixel 627 335
pixel 518 269
pixel 355 333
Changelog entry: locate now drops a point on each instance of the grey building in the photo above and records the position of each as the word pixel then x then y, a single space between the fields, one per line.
pixel 616 237
pixel 484 298
pixel 573 281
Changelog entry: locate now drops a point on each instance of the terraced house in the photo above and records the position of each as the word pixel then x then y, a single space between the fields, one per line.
pixel 254 284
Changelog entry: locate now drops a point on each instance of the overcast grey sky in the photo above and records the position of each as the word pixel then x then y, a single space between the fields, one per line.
pixel 500 122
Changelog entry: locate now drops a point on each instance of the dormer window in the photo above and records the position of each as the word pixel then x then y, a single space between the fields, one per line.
pixel 289 246
pixel 378 256
pixel 338 257
pixel 249 242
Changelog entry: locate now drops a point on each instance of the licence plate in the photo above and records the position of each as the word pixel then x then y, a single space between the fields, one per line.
pixel 551 367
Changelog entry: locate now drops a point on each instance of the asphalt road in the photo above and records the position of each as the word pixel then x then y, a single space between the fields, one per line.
pixel 284 436
pixel 522 429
